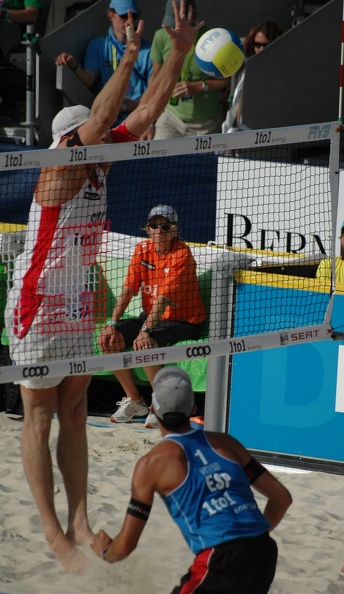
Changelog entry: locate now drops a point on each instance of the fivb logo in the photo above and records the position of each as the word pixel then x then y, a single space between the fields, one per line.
pixel 209 39
pixel 319 132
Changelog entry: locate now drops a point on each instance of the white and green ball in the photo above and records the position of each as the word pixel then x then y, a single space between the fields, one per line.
pixel 219 53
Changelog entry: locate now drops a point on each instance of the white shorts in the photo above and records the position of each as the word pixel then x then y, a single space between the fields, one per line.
pixel 37 349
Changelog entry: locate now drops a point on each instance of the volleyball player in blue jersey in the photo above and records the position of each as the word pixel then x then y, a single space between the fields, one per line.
pixel 204 479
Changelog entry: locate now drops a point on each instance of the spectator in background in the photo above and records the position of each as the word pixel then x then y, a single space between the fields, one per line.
pixel 195 106
pixel 13 15
pixel 103 54
pixel 57 13
pixel 163 269
pixel 324 270
pixel 259 37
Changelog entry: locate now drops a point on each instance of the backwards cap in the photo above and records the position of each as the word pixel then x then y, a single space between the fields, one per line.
pixel 172 392
pixel 166 211
pixel 66 120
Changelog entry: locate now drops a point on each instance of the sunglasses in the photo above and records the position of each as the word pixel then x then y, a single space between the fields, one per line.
pixel 258 44
pixel 163 226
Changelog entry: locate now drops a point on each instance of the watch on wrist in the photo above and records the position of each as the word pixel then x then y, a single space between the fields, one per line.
pixel 77 67
pixel 111 323
pixel 205 87
pixel 146 329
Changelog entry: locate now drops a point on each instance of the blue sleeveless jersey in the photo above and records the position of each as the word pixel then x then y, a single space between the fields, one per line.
pixel 215 503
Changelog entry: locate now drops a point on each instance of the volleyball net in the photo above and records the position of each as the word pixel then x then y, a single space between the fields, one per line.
pixel 258 210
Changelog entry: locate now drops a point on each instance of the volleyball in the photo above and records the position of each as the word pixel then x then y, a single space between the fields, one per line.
pixel 219 53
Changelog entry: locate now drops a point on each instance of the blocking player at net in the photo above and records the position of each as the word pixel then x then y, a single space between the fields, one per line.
pixel 163 270
pixel 49 310
pixel 204 480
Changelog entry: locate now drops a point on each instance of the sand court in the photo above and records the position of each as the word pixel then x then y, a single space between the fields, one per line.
pixel 310 538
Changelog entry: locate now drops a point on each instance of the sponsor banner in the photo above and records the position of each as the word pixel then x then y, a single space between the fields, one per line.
pixel 169 147
pixel 172 354
pixel 294 395
pixel 276 215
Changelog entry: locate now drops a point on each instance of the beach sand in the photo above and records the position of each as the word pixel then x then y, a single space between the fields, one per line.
pixel 310 538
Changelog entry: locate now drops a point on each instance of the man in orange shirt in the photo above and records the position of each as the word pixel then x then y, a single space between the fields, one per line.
pixel 164 270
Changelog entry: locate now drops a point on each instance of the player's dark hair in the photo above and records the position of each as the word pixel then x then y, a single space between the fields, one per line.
pixel 173 421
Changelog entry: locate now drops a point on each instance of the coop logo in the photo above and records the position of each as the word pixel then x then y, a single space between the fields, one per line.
pixel 319 132
pixel 39 371
pixel 199 351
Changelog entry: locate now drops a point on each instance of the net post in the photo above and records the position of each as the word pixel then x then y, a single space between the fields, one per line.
pixel 220 326
pixel 30 83
pixel 341 71
pixel 337 209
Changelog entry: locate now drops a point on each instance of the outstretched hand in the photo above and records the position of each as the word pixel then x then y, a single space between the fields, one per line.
pixel 183 33
pixel 133 35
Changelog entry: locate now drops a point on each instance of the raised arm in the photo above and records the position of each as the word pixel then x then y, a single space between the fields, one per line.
pixel 107 103
pixel 159 91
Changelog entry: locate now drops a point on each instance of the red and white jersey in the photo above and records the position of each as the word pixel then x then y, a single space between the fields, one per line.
pixel 55 272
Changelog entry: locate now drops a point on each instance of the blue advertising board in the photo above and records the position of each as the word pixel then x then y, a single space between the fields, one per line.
pixel 290 400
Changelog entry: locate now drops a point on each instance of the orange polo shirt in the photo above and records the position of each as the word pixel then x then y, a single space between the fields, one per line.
pixel 173 276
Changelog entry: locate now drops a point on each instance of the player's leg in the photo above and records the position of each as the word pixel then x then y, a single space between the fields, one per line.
pixel 39 407
pixel 72 454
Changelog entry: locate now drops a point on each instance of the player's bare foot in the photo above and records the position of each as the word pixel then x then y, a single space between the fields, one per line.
pixel 72 559
pixel 80 536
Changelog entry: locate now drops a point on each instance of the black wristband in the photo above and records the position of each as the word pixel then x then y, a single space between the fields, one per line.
pixel 138 509
pixel 253 470
pixel 75 67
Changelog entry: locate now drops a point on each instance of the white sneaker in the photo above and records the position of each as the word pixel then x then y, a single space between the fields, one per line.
pixel 151 421
pixel 127 409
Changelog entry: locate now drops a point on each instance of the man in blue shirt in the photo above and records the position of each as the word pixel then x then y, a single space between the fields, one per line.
pixel 204 480
pixel 103 54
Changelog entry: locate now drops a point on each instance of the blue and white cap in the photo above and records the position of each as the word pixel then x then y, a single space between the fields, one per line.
pixel 166 211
